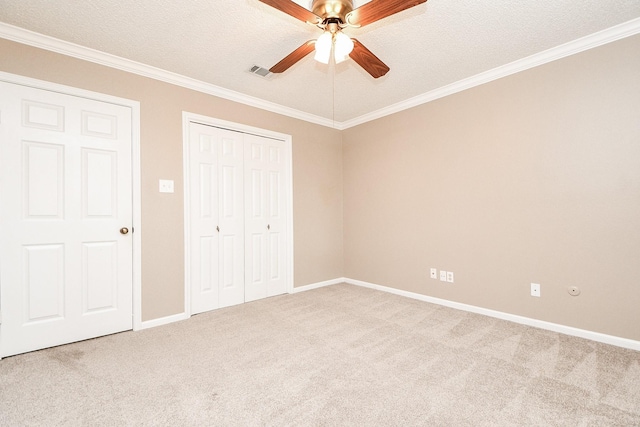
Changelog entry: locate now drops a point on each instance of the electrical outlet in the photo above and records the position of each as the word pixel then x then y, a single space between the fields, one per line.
pixel 450 276
pixel 434 273
pixel 443 276
pixel 535 289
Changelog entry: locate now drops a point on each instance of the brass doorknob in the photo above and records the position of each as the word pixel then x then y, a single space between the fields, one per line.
pixel 124 230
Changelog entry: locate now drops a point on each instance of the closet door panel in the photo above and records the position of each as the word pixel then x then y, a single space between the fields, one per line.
pixel 231 211
pixel 203 218
pixel 265 217
pixel 255 218
pixel 275 217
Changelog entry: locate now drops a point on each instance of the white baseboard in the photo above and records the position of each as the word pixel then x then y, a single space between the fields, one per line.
pixel 183 316
pixel 318 285
pixel 161 321
pixel 567 330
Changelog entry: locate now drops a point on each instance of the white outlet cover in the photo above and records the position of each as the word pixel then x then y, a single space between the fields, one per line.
pixel 443 276
pixel 535 289
pixel 450 276
pixel 166 186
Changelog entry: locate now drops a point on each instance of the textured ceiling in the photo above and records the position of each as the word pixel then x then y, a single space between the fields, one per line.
pixel 217 41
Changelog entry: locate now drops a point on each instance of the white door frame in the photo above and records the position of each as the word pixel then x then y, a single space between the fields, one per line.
pixel 135 170
pixel 238 127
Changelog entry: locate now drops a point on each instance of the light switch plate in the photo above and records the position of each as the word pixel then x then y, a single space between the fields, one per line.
pixel 166 186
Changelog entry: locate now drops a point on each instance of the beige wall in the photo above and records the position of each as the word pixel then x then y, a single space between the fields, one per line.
pixel 317 170
pixel 531 178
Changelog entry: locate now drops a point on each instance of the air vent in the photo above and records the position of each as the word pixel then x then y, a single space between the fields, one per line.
pixel 262 72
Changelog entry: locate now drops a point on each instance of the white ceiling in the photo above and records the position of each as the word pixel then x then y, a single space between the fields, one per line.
pixel 217 41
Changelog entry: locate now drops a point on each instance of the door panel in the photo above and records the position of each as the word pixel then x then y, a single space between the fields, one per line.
pixel 255 219
pixel 231 261
pixel 208 278
pixel 65 164
pixel 42 116
pixel 99 183
pixel 257 259
pixel 204 219
pixel 43 282
pixel 276 220
pixel 216 218
pixel 43 181
pixel 99 276
pixel 265 221
pixel 274 256
pixel 207 182
pixel 99 125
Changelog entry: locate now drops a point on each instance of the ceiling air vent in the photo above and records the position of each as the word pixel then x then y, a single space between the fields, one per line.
pixel 262 72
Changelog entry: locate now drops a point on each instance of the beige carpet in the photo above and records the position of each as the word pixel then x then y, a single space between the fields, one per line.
pixel 335 356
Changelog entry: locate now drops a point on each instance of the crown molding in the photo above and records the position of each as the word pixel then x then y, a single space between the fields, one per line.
pixel 41 41
pixel 27 37
pixel 591 41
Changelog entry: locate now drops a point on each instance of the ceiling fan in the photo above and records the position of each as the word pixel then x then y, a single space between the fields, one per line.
pixel 332 16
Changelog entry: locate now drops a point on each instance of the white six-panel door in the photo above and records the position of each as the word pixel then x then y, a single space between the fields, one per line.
pixel 65 195
pixel 237 217
pixel 216 217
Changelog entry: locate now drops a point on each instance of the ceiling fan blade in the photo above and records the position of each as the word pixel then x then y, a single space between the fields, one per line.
pixel 294 9
pixel 378 9
pixel 294 57
pixel 367 60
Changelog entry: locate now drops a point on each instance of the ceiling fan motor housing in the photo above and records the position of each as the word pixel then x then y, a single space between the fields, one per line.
pixel 336 9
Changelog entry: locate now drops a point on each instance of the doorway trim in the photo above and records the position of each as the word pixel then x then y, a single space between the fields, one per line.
pixel 135 170
pixel 187 118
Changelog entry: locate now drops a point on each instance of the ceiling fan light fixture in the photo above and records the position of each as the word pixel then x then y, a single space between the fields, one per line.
pixel 340 59
pixel 343 46
pixel 323 47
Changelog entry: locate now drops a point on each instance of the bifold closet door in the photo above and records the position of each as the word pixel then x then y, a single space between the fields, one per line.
pixel 216 215
pixel 265 220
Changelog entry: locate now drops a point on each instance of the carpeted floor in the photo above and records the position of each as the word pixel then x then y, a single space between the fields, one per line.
pixel 335 356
